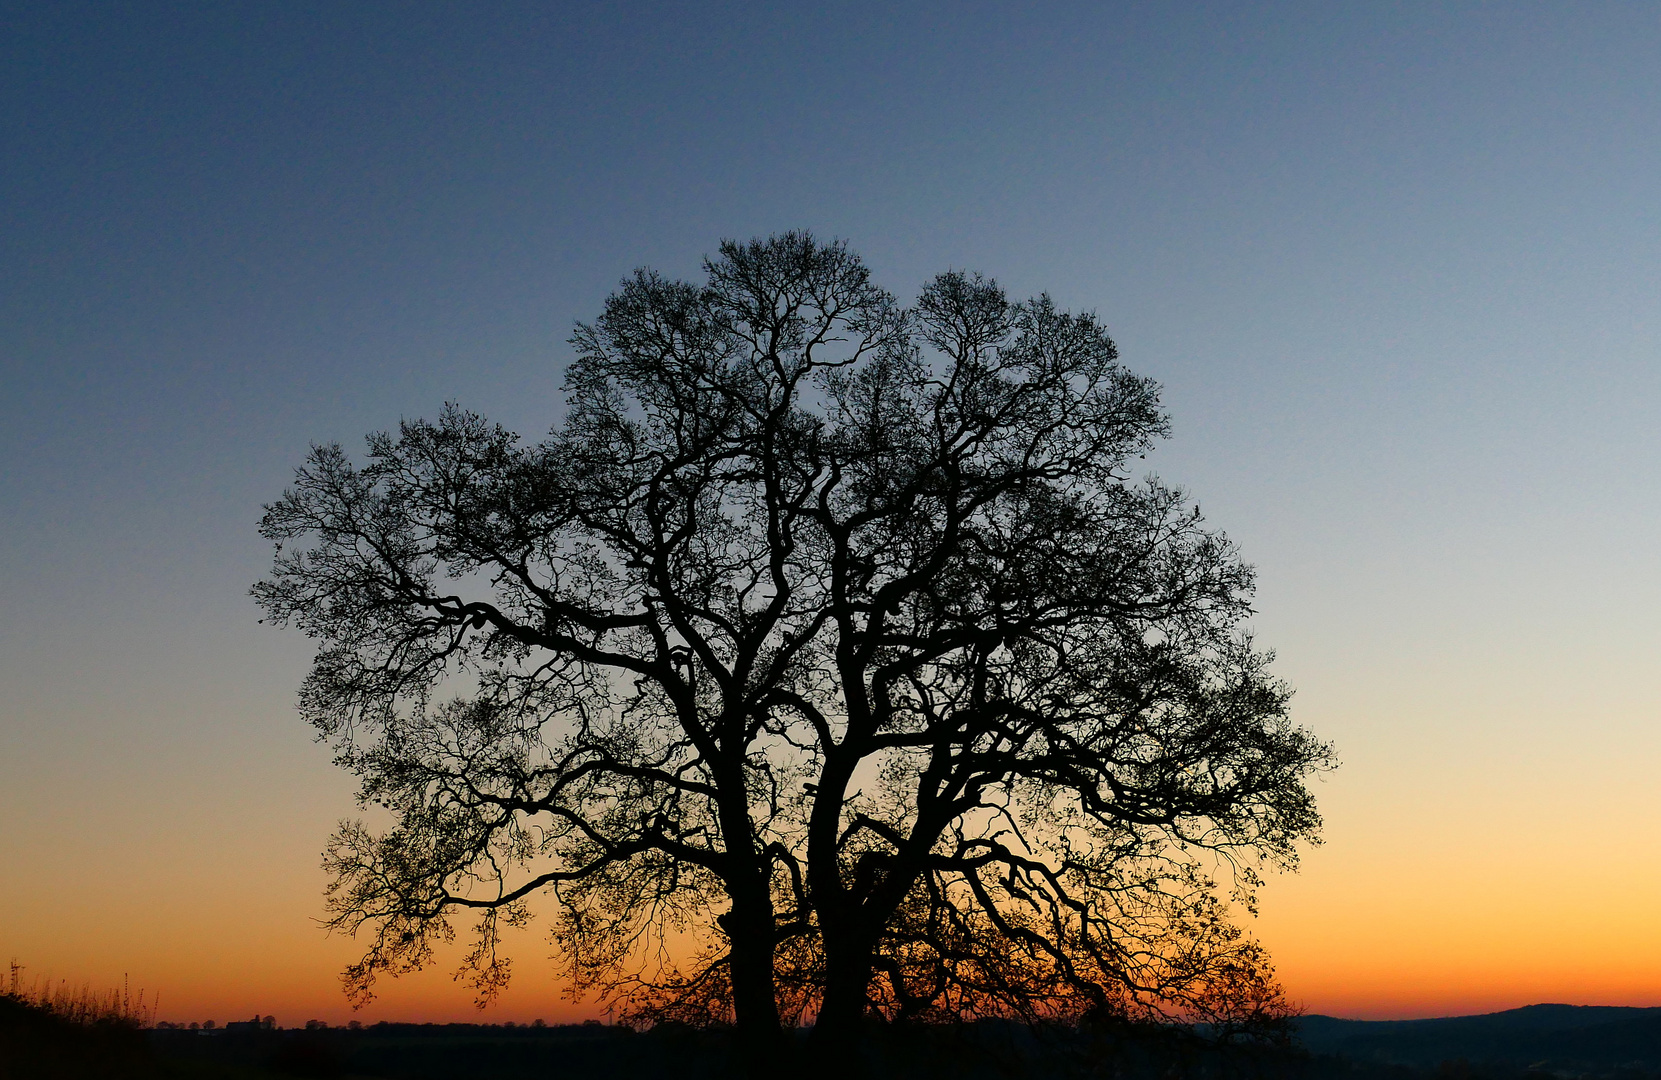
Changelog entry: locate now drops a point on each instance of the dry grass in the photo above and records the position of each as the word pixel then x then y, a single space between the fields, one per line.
pixel 81 1004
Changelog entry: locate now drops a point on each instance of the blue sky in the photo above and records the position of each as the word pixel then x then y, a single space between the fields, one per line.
pixel 1398 267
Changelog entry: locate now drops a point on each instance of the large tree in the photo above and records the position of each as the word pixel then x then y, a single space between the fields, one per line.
pixel 826 661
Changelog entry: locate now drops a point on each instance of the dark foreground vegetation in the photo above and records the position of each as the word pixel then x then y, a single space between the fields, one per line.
pixel 1539 1042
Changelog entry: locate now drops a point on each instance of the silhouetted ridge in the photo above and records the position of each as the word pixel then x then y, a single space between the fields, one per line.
pixel 1546 1037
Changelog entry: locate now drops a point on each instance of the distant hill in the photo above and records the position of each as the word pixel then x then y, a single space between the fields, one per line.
pixel 1546 1038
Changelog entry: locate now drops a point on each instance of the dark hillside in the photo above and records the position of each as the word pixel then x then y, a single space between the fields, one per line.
pixel 1570 1039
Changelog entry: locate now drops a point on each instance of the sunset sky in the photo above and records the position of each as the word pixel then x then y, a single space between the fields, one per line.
pixel 1397 267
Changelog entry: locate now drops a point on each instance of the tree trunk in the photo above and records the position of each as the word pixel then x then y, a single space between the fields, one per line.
pixel 755 1007
pixel 750 930
pixel 843 1012
pixel 838 1044
pixel 834 1045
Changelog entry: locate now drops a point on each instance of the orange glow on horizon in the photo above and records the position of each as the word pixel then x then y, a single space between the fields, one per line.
pixel 1457 877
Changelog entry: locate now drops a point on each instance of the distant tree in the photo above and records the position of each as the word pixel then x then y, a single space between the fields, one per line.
pixel 827 661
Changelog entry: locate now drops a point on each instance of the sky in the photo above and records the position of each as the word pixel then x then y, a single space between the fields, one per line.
pixel 1396 266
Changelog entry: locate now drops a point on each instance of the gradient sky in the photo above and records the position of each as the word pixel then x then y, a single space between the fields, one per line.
pixel 1398 267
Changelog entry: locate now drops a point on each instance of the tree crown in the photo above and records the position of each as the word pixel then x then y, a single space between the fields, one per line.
pixel 824 637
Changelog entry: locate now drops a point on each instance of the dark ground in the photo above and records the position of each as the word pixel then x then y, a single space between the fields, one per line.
pixel 1558 1042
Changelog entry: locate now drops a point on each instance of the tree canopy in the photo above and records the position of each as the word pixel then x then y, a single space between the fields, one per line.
pixel 828 660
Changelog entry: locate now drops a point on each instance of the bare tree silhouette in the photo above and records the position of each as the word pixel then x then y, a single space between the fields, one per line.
pixel 827 662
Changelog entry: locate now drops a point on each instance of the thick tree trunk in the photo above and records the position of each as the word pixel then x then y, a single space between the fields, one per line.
pixel 835 1041
pixel 760 1039
pixel 751 931
pixel 847 980
pixel 838 1042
